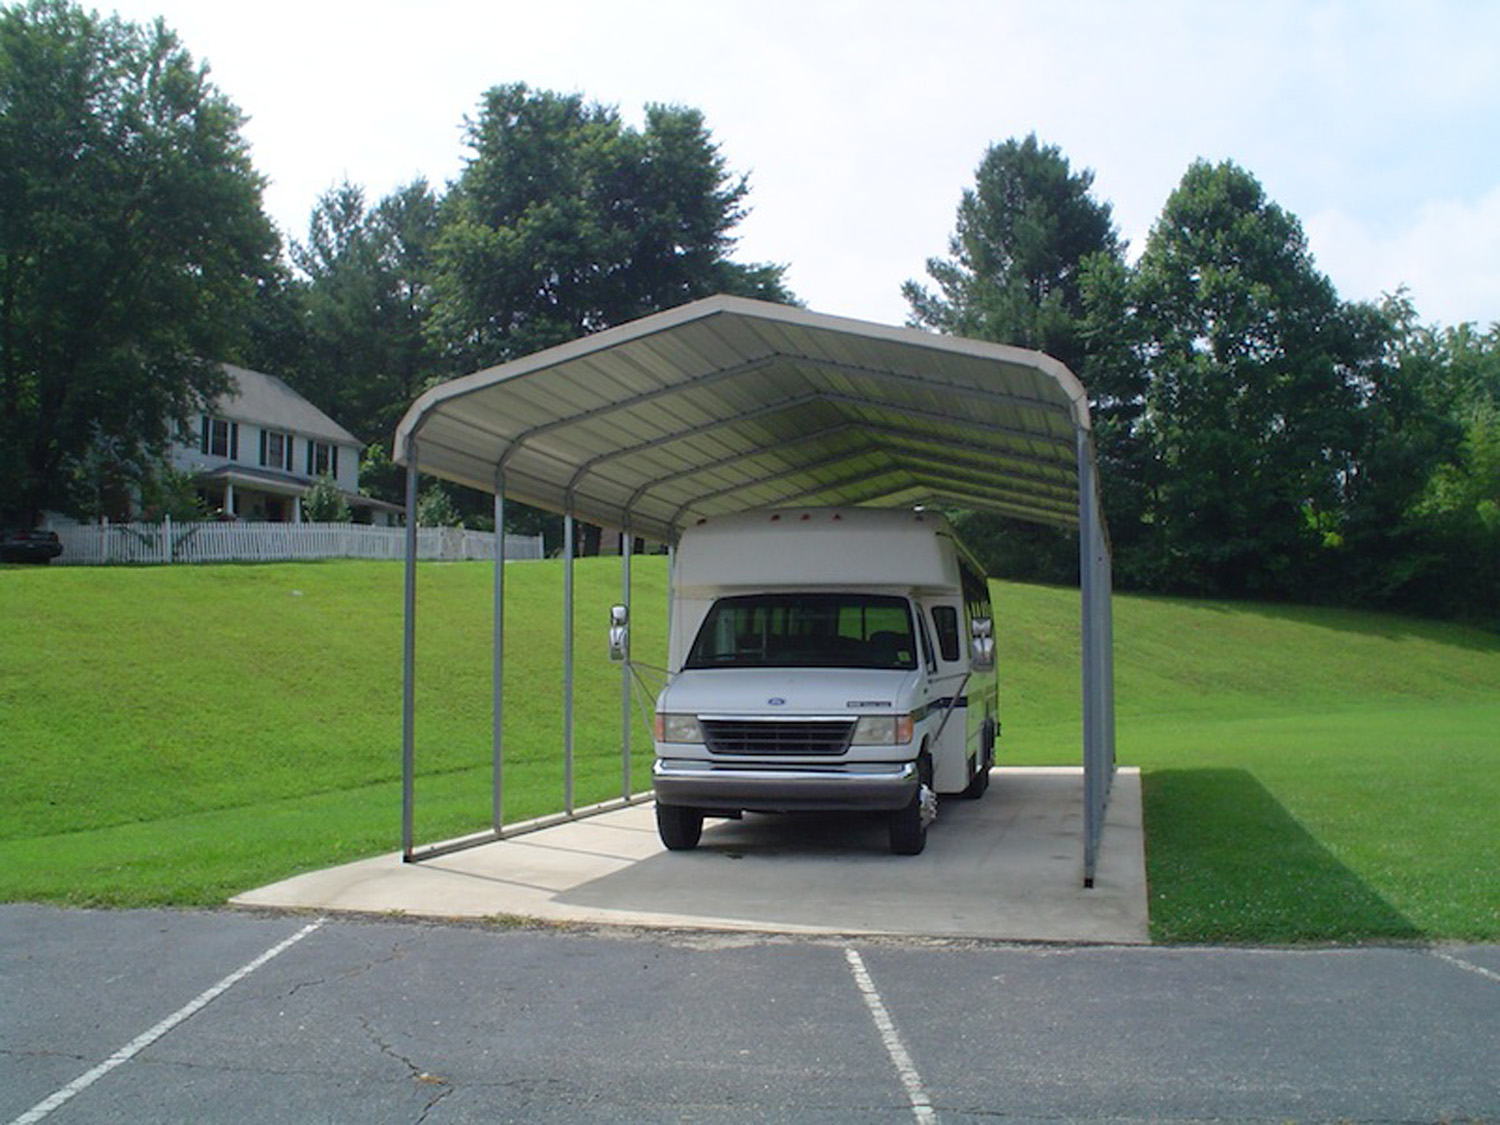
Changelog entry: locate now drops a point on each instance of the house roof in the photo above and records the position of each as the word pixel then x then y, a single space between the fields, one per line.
pixel 728 403
pixel 264 400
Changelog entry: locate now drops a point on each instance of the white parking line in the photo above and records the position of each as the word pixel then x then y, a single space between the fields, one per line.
pixel 146 1038
pixel 916 1093
pixel 1488 974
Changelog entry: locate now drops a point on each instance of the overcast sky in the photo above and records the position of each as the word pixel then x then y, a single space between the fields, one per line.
pixel 860 123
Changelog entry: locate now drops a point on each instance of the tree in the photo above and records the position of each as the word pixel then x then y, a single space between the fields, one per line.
pixel 1028 234
pixel 1423 528
pixel 364 304
pixel 1404 433
pixel 435 508
pixel 1025 234
pixel 173 493
pixel 566 221
pixel 131 242
pixel 325 501
pixel 1256 373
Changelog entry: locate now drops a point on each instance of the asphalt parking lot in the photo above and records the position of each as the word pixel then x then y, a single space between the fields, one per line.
pixel 233 1016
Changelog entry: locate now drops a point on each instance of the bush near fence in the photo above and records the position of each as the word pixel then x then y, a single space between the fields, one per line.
pixel 169 542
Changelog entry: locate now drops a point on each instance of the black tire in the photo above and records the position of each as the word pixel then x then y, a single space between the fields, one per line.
pixel 978 783
pixel 908 833
pixel 679 827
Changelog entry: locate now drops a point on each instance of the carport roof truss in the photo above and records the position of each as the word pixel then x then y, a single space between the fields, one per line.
pixel 728 403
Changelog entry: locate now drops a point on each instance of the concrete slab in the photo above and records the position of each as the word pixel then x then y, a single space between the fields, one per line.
pixel 1008 867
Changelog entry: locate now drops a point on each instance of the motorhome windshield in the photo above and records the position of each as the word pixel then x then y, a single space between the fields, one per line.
pixel 806 631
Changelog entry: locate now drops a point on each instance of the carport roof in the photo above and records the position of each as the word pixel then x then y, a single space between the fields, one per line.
pixel 727 403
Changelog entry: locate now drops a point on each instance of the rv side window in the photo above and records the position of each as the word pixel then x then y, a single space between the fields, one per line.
pixel 976 593
pixel 945 624
pixel 806 631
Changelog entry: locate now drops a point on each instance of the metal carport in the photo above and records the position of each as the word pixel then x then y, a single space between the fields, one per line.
pixel 726 404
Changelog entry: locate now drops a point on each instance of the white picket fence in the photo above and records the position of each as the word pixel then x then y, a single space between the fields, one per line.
pixel 168 542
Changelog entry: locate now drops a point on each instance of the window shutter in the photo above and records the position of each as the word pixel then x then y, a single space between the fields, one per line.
pixel 335 462
pixel 288 453
pixel 206 424
pixel 263 447
pixel 234 441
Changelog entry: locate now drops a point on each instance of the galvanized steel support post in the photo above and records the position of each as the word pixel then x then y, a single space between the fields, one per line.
pixel 671 595
pixel 625 552
pixel 1097 656
pixel 409 662
pixel 568 663
pixel 497 663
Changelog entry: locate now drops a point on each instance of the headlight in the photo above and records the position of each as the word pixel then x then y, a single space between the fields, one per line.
pixel 678 728
pixel 882 730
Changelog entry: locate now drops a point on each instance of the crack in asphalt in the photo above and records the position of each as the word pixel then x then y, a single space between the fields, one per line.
pixel 398 952
pixel 443 1087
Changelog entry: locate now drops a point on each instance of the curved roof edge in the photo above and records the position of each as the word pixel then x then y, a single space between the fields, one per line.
pixel 727 403
pixel 605 339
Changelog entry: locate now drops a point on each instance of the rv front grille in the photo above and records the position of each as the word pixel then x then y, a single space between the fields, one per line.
pixel 778 736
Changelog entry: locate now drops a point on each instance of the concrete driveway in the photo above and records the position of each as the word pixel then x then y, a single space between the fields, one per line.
pixel 1007 867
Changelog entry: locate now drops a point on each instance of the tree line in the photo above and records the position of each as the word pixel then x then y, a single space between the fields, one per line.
pixel 1258 436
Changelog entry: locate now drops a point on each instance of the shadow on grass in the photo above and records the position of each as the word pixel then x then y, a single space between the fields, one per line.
pixel 1226 862
pixel 1475 636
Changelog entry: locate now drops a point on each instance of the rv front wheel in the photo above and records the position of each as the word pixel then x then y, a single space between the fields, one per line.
pixel 679 828
pixel 908 828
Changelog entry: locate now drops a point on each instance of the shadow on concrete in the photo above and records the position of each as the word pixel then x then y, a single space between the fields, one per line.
pixel 1226 861
pixel 1008 867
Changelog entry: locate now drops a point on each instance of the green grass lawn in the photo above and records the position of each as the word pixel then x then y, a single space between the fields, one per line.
pixel 178 734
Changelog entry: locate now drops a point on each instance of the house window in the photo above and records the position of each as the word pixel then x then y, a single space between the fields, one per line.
pixel 220 438
pixel 276 450
pixel 322 457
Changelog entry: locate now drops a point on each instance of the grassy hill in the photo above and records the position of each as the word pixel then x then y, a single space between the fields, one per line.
pixel 177 734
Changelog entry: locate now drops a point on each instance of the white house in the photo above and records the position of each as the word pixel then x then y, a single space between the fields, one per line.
pixel 257 451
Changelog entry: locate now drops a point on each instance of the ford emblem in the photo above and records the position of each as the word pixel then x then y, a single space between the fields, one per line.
pixel 776 701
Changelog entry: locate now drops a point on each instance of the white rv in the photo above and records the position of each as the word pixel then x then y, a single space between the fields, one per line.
pixel 824 659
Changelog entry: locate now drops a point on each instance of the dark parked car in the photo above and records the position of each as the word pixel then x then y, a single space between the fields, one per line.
pixel 29 546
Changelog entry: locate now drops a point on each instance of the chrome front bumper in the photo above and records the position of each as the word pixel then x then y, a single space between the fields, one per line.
pixel 878 786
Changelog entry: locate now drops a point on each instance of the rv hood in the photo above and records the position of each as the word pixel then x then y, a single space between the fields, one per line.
pixel 791 691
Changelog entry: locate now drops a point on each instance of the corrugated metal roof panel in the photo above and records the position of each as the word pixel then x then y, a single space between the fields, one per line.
pixel 727 403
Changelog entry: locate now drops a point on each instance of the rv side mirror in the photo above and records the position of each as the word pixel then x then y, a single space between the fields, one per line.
pixel 619 633
pixel 982 644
